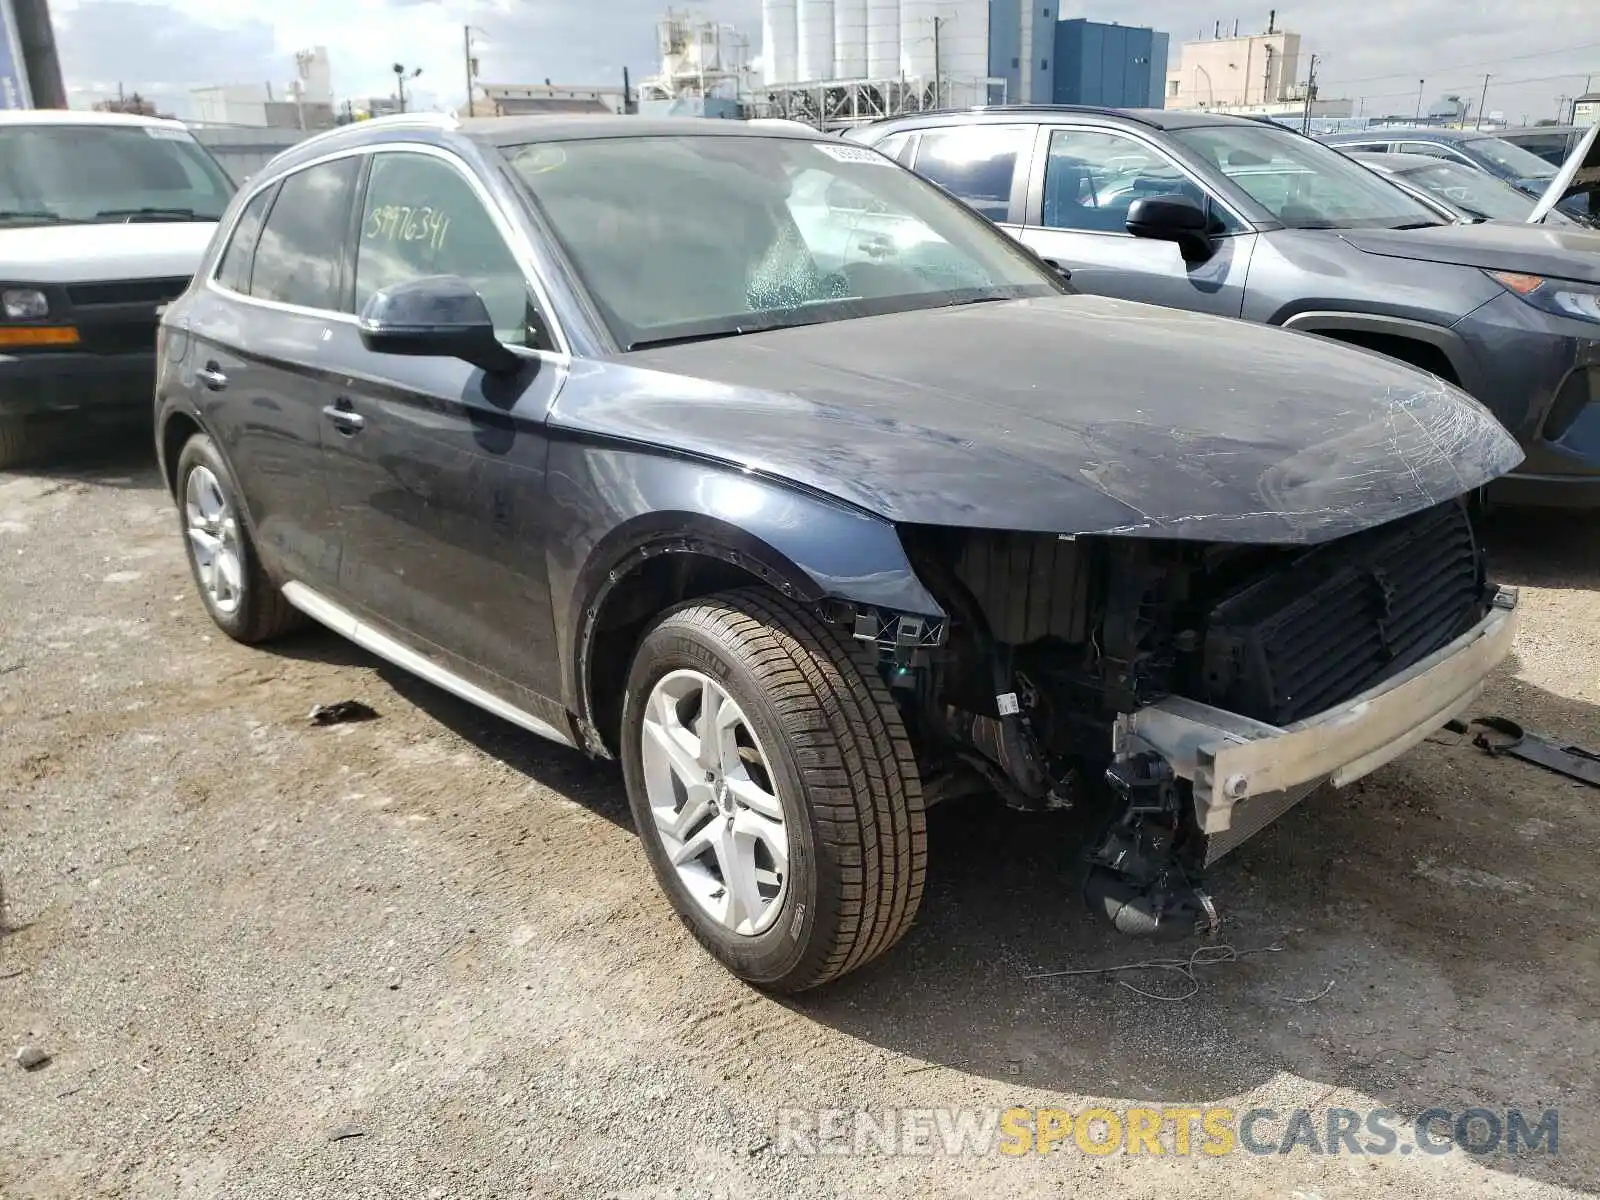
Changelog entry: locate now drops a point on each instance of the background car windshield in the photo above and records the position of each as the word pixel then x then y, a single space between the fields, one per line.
pixel 1472 191
pixel 1303 183
pixel 700 235
pixel 1516 162
pixel 103 173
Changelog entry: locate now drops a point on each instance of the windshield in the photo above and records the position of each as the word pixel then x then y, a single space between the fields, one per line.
pixel 51 174
pixel 692 236
pixel 1513 161
pixel 1471 191
pixel 1303 183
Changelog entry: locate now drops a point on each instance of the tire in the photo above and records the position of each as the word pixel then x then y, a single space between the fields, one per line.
pixel 253 609
pixel 841 767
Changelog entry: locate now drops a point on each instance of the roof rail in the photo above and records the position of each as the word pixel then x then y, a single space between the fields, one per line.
pixel 1101 110
pixel 416 120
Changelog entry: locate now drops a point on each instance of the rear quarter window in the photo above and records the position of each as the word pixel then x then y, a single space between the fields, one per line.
pixel 976 163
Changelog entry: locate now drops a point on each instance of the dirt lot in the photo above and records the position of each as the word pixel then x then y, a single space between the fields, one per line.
pixel 240 936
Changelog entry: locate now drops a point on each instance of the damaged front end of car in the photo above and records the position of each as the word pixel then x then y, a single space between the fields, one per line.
pixel 1195 690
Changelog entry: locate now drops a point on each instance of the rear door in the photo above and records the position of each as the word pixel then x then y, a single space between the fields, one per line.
pixel 437 470
pixel 262 333
pixel 1083 183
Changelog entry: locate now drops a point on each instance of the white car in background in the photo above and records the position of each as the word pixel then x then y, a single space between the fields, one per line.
pixel 103 219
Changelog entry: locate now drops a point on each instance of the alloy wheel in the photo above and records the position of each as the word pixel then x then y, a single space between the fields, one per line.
pixel 714 802
pixel 214 538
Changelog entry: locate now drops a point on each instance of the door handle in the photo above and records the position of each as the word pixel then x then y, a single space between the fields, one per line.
pixel 344 419
pixel 1060 268
pixel 212 377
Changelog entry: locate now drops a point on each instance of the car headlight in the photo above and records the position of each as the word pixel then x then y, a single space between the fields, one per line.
pixel 24 304
pixel 1562 297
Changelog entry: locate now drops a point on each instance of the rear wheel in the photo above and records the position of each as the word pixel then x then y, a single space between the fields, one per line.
pixel 237 593
pixel 774 789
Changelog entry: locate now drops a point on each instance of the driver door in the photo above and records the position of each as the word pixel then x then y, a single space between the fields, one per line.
pixel 1084 182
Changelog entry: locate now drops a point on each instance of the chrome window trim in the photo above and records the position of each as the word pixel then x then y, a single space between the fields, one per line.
pixel 521 250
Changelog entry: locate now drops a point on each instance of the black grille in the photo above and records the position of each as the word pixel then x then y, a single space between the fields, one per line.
pixel 1344 616
pixel 126 291
pixel 117 337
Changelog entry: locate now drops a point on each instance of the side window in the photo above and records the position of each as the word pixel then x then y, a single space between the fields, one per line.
pixel 894 145
pixel 422 218
pixel 1091 180
pixel 233 272
pixel 297 259
pixel 976 163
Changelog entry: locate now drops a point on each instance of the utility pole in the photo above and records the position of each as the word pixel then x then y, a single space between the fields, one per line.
pixel 938 78
pixel 1482 100
pixel 1421 83
pixel 466 52
pixel 1311 94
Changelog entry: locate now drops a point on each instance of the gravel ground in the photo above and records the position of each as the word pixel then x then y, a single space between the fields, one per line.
pixel 240 937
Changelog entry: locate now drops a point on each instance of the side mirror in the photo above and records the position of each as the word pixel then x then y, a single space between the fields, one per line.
pixel 1172 219
pixel 440 316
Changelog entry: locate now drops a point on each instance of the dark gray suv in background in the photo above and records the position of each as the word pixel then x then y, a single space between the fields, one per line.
pixel 1248 219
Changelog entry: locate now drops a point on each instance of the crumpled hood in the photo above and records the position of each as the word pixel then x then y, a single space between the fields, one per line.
pixel 1073 415
pixel 85 253
pixel 1556 251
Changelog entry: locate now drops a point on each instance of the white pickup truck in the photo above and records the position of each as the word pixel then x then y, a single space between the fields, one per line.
pixel 103 219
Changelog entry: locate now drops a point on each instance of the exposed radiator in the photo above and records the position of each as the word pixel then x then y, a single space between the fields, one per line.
pixel 1344 616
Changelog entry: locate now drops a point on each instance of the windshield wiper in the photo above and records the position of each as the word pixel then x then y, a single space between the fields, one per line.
pixel 979 300
pixel 685 338
pixel 1418 225
pixel 153 214
pixel 31 214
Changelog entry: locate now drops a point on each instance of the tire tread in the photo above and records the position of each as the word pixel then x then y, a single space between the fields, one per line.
pixel 856 758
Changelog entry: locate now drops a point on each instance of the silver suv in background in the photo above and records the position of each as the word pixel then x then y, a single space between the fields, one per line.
pixel 1248 219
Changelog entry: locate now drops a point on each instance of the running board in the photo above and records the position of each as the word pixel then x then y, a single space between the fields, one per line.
pixel 345 623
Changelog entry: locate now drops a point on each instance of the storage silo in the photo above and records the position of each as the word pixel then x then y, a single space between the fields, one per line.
pixel 883 39
pixel 779 40
pixel 849 39
pixel 816 40
pixel 964 47
pixel 916 37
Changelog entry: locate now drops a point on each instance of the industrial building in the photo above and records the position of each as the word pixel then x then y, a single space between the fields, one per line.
pixel 305 102
pixel 839 62
pixel 705 69
pixel 522 99
pixel 1255 75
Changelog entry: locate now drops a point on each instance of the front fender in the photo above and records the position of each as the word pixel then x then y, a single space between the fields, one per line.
pixel 622 506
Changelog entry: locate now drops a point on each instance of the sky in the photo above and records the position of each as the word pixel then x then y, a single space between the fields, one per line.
pixel 1534 50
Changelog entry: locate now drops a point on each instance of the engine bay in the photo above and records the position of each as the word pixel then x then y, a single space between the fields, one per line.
pixel 1051 639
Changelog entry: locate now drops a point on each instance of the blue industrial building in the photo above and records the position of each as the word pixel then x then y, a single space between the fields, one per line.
pixel 1122 66
pixel 1047 59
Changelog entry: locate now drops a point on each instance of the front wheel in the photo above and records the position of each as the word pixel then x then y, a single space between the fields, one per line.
pixel 774 788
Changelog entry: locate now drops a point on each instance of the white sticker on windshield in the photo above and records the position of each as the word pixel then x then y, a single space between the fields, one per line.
pixel 857 154
pixel 166 134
